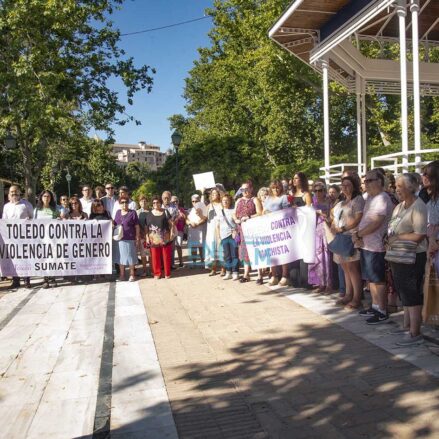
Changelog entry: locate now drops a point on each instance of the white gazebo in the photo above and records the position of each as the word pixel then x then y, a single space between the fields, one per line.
pixel 326 34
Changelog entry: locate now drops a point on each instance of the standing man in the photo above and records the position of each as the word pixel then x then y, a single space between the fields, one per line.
pixel 369 237
pixel 123 193
pixel 87 199
pixel 17 208
pixel 109 199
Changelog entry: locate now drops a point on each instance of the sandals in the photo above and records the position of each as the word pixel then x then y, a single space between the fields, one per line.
pixel 352 306
pixel 212 273
pixel 342 302
pixel 243 280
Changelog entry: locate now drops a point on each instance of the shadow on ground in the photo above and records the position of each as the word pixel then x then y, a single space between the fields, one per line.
pixel 317 382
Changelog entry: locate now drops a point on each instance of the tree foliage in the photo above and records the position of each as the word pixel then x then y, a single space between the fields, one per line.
pixel 56 60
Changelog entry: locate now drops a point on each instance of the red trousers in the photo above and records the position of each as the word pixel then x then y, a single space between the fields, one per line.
pixel 157 253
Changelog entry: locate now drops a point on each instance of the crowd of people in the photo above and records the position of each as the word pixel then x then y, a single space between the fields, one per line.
pixel 373 233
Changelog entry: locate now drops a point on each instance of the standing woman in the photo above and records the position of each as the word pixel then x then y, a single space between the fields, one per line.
pixel 227 233
pixel 275 201
pixel 158 230
pixel 347 215
pixel 141 245
pixel 245 208
pixel 129 221
pixel 46 209
pixel 320 273
pixel 300 196
pixel 213 241
pixel 75 210
pixel 262 195
pixel 406 237
pixel 196 236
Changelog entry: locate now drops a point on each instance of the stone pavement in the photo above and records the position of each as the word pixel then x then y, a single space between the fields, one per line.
pixel 231 360
pixel 242 361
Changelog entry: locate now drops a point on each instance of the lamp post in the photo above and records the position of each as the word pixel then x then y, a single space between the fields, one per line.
pixel 176 140
pixel 69 179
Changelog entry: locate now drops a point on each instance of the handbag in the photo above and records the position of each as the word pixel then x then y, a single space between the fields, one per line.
pixel 342 245
pixel 430 310
pixel 401 252
pixel 118 233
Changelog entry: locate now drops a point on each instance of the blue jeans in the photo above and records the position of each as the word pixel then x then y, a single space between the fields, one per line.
pixel 230 249
pixel 341 279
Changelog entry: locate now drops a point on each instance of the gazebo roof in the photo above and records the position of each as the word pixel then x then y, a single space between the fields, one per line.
pixel 313 29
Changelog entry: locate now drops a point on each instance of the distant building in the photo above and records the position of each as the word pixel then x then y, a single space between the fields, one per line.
pixel 142 153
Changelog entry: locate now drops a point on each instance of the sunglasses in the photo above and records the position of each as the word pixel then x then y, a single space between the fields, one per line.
pixel 318 190
pixel 369 180
pixel 109 187
pixel 123 202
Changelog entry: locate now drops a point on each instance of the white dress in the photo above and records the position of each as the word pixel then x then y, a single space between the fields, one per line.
pixel 212 248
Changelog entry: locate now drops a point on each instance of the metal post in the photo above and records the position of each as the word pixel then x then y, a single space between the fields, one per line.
pixel 401 11
pixel 359 125
pixel 176 171
pixel 414 8
pixel 326 118
pixel 363 123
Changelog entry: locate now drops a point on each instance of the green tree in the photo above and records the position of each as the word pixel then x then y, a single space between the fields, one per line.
pixel 56 60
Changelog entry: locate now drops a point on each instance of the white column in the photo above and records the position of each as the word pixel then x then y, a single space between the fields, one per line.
pixel 401 11
pixel 326 117
pixel 359 123
pixel 414 8
pixel 363 122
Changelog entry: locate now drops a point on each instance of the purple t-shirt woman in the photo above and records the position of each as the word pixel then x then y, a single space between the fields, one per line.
pixel 128 222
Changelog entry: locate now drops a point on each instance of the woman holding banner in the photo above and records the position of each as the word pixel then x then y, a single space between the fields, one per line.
pixel 46 209
pixel 246 207
pixel 129 221
pixel 320 273
pixel 275 201
pixel 75 210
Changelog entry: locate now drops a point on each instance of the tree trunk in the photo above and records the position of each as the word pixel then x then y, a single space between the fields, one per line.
pixel 30 176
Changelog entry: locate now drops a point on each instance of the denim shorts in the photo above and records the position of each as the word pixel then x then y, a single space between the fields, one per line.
pixel 373 266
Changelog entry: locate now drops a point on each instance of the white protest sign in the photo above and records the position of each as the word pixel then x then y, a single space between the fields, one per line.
pixel 205 180
pixel 281 237
pixel 55 248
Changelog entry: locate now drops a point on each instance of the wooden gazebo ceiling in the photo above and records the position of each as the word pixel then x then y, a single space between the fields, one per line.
pixel 311 22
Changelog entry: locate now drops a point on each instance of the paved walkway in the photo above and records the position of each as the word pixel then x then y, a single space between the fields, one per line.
pixel 244 361
pixel 231 361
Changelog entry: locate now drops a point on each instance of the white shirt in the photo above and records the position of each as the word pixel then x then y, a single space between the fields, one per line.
pixel 21 210
pixel 109 203
pixel 86 205
pixel 131 205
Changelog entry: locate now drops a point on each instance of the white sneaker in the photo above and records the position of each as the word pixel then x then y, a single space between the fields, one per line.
pixel 410 341
pixel 227 276
pixel 283 282
pixel 273 281
pixel 235 276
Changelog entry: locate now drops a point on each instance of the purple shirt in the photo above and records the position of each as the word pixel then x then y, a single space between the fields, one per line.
pixel 129 222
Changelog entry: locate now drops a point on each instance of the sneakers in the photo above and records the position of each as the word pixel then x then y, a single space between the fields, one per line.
pixel 283 282
pixel 273 281
pixel 235 276
pixel 377 318
pixel 14 285
pixel 131 279
pixel 408 341
pixel 399 331
pixel 227 276
pixel 367 312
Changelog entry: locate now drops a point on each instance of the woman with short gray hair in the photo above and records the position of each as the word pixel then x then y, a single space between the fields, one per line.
pixel 406 253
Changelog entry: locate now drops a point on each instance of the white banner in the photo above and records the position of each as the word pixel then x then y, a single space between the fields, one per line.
pixel 281 237
pixel 55 247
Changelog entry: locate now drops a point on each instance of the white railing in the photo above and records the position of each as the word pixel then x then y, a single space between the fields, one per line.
pixel 401 162
pixel 333 173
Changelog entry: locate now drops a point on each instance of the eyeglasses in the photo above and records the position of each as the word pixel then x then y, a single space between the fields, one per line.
pixel 369 180
pixel 123 202
pixel 109 187
pixel 319 190
pixel 156 202
pixel 245 189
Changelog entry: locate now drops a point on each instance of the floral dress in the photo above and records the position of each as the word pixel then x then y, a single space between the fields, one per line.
pixel 320 273
pixel 245 207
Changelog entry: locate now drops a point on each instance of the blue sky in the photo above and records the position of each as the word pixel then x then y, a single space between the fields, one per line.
pixel 171 51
